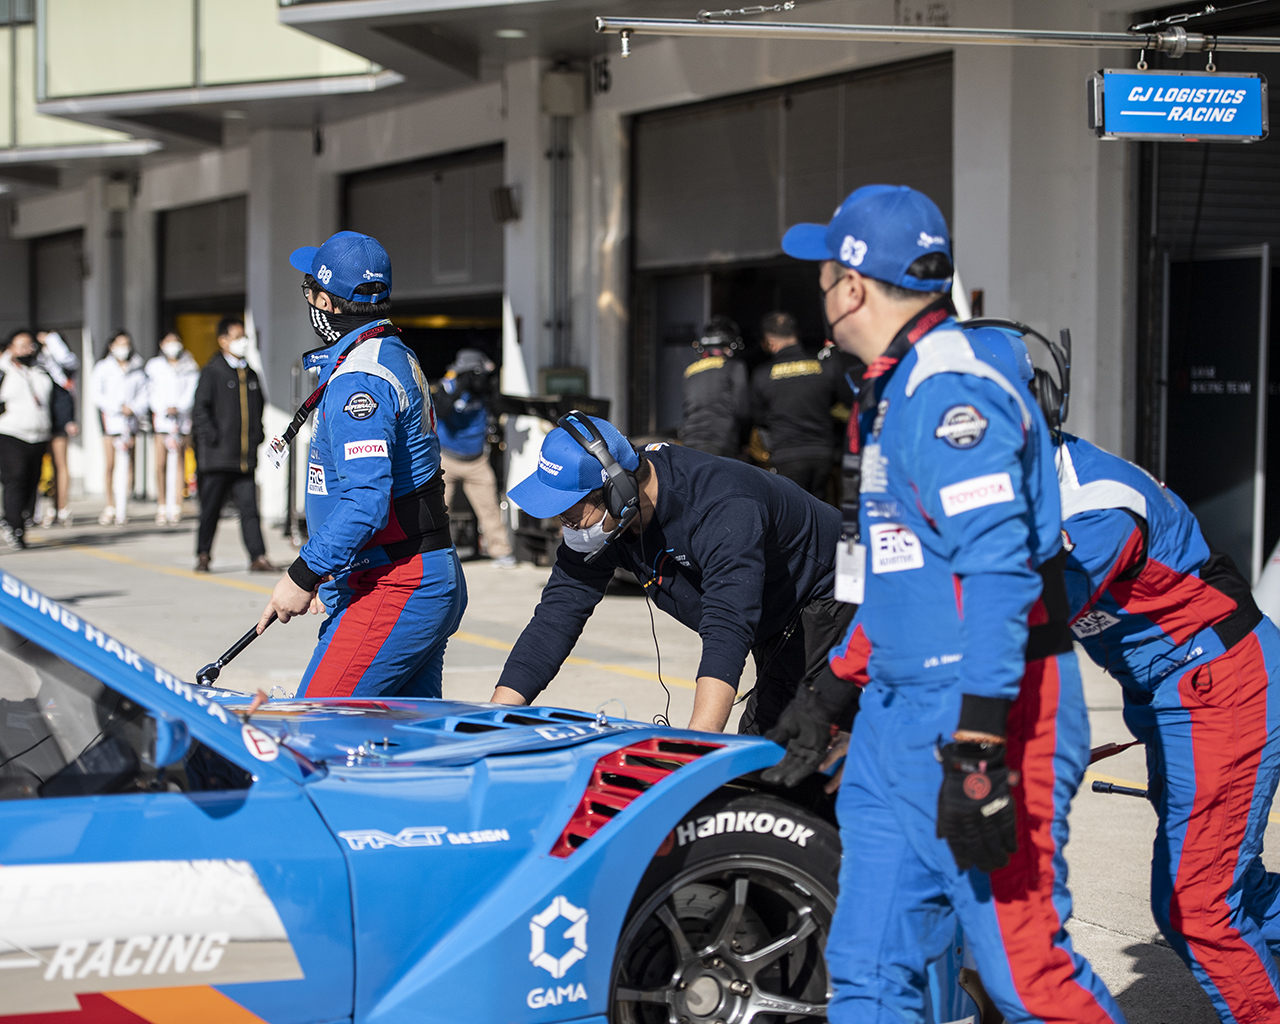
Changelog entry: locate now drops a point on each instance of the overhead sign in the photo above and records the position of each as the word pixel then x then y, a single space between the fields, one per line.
pixel 1178 106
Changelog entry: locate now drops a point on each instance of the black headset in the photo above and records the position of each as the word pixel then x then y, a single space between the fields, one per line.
pixel 1053 396
pixel 621 492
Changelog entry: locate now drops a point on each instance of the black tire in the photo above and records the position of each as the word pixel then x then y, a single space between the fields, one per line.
pixel 730 926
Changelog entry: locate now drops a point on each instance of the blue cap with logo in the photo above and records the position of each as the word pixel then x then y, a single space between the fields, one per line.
pixel 567 472
pixel 346 261
pixel 879 230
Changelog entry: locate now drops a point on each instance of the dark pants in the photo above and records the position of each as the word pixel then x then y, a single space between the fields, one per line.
pixel 20 476
pixel 814 475
pixel 789 659
pixel 213 487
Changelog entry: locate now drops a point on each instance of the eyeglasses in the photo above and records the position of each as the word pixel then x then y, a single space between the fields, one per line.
pixel 577 525
pixel 307 291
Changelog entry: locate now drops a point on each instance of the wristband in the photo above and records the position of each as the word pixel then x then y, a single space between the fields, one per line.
pixel 302 575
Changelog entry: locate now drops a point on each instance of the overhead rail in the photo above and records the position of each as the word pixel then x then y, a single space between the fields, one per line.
pixel 1174 40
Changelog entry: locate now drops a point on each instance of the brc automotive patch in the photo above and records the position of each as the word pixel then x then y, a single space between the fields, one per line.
pixel 81 928
pixel 894 548
pixel 315 479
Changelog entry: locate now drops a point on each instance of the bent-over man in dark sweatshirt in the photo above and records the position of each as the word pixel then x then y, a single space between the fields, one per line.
pixel 744 557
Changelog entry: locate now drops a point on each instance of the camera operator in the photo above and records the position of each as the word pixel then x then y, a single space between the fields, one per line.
pixel 462 422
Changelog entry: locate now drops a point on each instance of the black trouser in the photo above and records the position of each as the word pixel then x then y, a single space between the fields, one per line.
pixel 786 661
pixel 814 475
pixel 20 476
pixel 213 488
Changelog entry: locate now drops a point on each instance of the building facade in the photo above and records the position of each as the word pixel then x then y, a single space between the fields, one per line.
pixel 580 215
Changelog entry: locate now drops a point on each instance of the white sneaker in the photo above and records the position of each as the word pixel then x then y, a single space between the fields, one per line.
pixel 175 515
pixel 122 518
pixel 64 517
pixel 108 516
pixel 506 562
pixel 162 518
pixel 50 515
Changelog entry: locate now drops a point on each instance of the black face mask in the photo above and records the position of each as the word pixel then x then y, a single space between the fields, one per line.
pixel 29 359
pixel 329 327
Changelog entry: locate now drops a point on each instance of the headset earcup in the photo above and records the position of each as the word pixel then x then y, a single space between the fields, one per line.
pixel 1048 397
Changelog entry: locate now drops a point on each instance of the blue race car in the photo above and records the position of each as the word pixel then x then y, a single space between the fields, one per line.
pixel 168 856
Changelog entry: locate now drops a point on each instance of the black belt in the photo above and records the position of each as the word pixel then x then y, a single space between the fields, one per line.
pixel 425 520
pixel 1053 637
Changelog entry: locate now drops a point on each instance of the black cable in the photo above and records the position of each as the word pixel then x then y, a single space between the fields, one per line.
pixel 665 717
pixel 27 751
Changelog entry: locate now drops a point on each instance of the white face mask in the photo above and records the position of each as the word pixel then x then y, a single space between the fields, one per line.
pixel 121 352
pixel 238 347
pixel 587 541
pixel 171 349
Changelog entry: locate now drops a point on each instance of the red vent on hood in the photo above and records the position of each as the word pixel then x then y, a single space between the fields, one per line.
pixel 619 778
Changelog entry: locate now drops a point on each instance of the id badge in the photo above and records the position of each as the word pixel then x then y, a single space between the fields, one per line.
pixel 276 451
pixel 851 572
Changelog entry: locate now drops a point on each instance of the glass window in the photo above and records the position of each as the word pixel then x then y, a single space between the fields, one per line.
pixel 65 733
pixel 93 47
pixel 6 87
pixel 37 129
pixel 243 41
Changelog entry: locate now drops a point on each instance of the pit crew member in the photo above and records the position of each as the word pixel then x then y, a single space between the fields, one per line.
pixel 1175 624
pixel 972 736
pixel 379 556
pixel 715 392
pixel 742 556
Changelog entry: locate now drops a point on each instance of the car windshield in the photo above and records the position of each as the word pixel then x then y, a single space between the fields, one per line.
pixel 65 733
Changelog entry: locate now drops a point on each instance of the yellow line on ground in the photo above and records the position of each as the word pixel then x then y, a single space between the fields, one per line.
pixel 168 570
pixel 476 639
pixel 1273 817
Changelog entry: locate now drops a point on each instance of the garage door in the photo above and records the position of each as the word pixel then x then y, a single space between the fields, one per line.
pixel 435 219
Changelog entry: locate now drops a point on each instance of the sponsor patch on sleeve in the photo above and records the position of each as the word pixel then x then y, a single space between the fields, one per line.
pixel 315 479
pixel 991 489
pixel 361 406
pixel 1093 623
pixel 962 426
pixel 894 548
pixel 376 448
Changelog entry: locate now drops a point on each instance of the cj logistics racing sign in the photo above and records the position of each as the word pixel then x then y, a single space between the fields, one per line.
pixel 1178 106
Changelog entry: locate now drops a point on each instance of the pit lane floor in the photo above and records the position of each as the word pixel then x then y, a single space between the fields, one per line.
pixel 137 582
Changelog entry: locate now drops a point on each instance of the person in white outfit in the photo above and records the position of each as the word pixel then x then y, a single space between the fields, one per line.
pixel 62 364
pixel 118 387
pixel 171 392
pixel 25 424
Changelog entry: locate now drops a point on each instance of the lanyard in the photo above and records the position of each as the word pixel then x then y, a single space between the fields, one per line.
pixel 874 382
pixel 279 445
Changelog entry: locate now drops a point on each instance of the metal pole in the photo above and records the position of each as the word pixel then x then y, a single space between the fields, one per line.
pixel 1174 41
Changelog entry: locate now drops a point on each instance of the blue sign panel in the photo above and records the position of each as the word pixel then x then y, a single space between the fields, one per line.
pixel 1188 106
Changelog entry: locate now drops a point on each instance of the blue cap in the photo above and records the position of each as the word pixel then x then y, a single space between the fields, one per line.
pixel 567 472
pixel 346 261
pixel 879 231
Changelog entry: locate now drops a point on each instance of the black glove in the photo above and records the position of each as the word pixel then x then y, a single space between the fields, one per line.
pixel 976 815
pixel 807 727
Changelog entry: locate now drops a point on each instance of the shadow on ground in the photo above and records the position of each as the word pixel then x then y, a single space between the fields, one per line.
pixel 1165 992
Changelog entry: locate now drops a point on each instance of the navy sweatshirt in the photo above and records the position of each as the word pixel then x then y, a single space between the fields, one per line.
pixel 733 552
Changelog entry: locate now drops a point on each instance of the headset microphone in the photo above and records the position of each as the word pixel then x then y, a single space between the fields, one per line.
pixel 621 492
pixel 1053 396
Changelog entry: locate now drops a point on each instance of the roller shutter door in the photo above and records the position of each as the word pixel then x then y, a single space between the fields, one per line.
pixel 204 250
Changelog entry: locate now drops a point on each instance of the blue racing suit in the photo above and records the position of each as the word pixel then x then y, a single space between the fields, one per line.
pixel 964 596
pixel 1176 626
pixel 379 534
pixel 463 420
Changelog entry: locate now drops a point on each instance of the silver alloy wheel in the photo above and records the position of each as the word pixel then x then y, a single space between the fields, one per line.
pixel 733 940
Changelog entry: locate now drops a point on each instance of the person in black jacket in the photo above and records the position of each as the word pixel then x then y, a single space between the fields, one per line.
pixel 228 429
pixel 715 392
pixel 742 557
pixel 791 405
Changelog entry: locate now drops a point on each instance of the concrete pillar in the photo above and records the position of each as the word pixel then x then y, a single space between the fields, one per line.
pixel 528 243
pixel 605 301
pixel 15 286
pixel 289 205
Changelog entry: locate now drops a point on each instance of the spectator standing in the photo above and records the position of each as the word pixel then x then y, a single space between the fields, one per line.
pixel 227 415
pixel 61 364
pixel 791 405
pixel 118 388
pixel 462 424
pixel 25 426
pixel 716 407
pixel 171 392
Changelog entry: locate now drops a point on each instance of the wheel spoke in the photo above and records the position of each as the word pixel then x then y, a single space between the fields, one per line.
pixel 684 952
pixel 643 995
pixel 761 958
pixel 763 1002
pixel 730 919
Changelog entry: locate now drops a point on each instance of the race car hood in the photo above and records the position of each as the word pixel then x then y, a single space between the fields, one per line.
pixel 417 732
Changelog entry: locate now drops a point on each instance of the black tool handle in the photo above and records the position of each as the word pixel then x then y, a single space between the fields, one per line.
pixel 1111 787
pixel 210 673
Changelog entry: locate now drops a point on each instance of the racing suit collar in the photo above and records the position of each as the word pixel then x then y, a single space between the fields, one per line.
pixel 877 375
pixel 325 358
